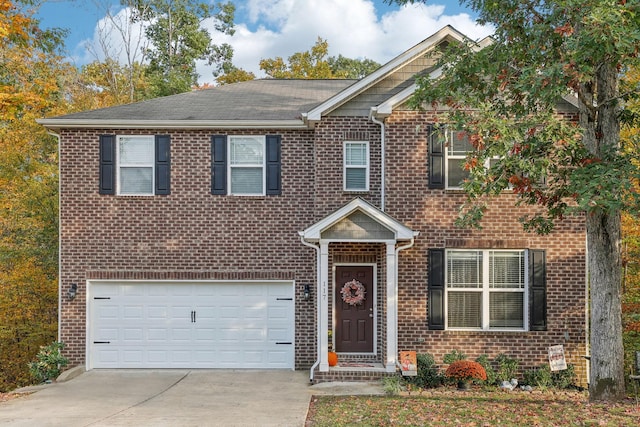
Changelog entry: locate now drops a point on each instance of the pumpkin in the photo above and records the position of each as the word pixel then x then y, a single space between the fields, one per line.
pixel 333 358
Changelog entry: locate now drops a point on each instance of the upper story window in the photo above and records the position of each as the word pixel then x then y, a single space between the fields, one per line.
pixel 486 289
pixel 135 165
pixel 448 150
pixel 246 165
pixel 136 160
pixel 458 146
pixel 356 166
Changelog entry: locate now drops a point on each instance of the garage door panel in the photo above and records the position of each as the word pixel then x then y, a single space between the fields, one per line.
pixel 191 325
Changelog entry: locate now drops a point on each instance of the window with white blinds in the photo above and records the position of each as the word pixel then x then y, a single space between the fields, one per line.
pixel 246 165
pixel 356 166
pixel 136 161
pixel 486 289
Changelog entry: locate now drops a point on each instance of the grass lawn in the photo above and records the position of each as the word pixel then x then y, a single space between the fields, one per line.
pixel 449 407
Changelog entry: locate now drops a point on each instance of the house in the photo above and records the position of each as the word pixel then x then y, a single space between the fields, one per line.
pixel 238 226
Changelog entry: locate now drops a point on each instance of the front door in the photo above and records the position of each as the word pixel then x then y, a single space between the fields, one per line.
pixel 354 295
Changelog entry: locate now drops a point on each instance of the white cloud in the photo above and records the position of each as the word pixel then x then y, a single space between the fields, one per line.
pixel 351 27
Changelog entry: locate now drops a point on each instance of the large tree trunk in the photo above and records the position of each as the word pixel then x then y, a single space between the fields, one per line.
pixel 599 120
pixel 607 355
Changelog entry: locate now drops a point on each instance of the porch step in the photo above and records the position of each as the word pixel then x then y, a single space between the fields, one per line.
pixel 349 373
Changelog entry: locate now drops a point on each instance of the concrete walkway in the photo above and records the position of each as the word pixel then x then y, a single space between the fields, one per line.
pixel 174 398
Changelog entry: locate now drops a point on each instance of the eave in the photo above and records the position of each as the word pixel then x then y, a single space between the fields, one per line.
pixel 170 124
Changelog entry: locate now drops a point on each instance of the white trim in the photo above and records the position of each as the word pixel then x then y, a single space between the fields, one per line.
pixel 485 291
pixel 366 166
pixel 263 141
pixel 323 307
pixel 151 165
pixel 402 232
pixel 61 123
pixel 374 351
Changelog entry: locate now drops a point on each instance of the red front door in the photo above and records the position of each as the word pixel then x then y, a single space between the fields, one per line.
pixel 354 321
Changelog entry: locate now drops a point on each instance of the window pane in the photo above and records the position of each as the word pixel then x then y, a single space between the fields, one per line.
pixel 136 180
pixel 459 144
pixel 136 151
pixel 506 310
pixel 464 309
pixel 356 179
pixel 246 151
pixel 464 269
pixel 246 181
pixel 356 154
pixel 456 172
pixel 506 270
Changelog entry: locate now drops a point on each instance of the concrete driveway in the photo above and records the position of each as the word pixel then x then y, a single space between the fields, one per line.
pixel 175 398
pixel 166 398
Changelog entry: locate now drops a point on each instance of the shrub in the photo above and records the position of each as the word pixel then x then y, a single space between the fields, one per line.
pixel 429 376
pixel 486 364
pixel 49 362
pixel 453 356
pixel 538 377
pixel 507 368
pixel 543 377
pixel 392 386
pixel 465 370
pixel 565 378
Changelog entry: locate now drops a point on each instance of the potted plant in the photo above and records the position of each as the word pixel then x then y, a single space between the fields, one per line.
pixel 333 356
pixel 463 371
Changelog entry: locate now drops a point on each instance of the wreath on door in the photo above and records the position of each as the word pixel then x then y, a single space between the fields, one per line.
pixel 353 292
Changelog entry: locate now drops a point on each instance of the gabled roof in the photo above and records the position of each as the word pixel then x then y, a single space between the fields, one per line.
pixel 266 103
pixel 447 33
pixel 400 231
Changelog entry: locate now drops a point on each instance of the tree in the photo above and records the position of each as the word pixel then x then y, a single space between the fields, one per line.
pixel 174 30
pixel 117 76
pixel 30 76
pixel 315 64
pixel 504 95
pixel 311 64
pixel 233 74
pixel 349 68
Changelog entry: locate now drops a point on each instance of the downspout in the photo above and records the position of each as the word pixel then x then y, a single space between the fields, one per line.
pixel 57 136
pixel 382 155
pixel 317 248
pixel 398 249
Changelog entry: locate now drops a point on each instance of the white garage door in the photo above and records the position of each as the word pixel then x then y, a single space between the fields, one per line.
pixel 190 325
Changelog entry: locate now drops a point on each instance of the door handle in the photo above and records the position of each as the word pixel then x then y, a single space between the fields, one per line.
pixel 193 316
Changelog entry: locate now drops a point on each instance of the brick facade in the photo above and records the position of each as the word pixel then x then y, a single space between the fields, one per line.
pixel 193 235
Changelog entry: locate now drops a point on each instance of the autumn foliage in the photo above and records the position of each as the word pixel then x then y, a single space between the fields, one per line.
pixel 465 370
pixel 30 88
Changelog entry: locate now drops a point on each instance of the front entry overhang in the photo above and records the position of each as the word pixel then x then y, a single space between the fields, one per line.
pixel 357 221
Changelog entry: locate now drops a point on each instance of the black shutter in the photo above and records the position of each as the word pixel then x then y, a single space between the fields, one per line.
pixel 273 165
pixel 436 289
pixel 163 164
pixel 436 158
pixel 537 291
pixel 219 164
pixel 107 164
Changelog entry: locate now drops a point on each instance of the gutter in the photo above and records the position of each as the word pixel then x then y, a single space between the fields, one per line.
pixel 318 302
pixel 382 154
pixel 61 123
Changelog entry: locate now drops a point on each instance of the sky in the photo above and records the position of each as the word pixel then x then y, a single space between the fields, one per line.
pixel 269 28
